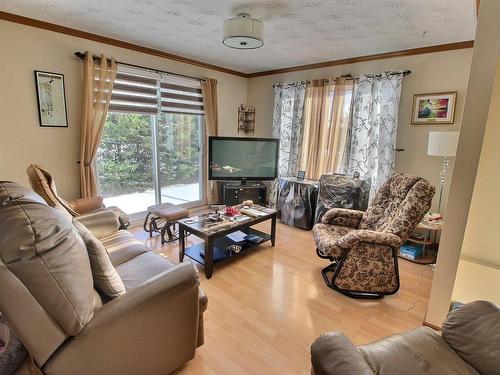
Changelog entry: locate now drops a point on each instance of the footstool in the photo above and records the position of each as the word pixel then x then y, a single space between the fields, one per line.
pixel 162 218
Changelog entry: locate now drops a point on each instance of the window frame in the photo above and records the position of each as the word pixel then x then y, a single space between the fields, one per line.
pixel 161 79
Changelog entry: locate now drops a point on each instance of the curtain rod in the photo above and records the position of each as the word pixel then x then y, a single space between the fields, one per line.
pixel 81 56
pixel 349 77
pixel 393 73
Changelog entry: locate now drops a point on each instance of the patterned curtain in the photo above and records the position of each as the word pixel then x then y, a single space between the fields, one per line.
pixel 372 146
pixel 288 127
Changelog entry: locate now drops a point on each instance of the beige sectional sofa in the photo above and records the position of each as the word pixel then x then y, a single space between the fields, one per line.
pixel 57 301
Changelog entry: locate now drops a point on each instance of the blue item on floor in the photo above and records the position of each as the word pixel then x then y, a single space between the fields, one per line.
pixel 411 250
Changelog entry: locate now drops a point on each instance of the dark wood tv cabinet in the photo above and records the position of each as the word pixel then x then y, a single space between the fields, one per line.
pixel 234 193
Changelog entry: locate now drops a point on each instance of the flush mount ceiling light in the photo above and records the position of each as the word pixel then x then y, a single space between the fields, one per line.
pixel 243 32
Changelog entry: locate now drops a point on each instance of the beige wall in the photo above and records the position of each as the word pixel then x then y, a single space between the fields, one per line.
pixel 478 274
pixel 23 141
pixel 481 241
pixel 477 104
pixel 435 72
pixel 476 281
pixel 45 50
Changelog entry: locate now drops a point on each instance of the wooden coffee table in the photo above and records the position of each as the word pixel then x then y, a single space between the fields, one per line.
pixel 215 241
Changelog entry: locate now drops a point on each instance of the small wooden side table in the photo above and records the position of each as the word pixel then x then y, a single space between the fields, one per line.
pixel 430 229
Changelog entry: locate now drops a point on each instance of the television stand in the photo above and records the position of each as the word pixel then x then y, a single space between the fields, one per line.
pixel 235 192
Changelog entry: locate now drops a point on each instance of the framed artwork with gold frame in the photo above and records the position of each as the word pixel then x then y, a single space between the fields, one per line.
pixel 434 108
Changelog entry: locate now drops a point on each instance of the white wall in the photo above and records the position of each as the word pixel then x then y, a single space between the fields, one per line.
pixel 23 141
pixel 433 72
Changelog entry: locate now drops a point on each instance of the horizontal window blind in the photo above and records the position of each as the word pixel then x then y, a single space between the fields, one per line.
pixel 180 95
pixel 135 91
pixel 144 92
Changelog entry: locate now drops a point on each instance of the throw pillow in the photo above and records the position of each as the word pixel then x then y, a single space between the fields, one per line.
pixel 106 279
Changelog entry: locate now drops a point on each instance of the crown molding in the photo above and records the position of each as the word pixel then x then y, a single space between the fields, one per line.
pixel 113 42
pixel 378 56
pixel 170 56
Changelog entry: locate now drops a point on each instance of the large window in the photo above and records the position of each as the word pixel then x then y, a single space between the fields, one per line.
pixel 151 149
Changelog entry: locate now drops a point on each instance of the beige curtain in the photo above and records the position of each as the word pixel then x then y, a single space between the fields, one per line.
pixel 327 111
pixel 99 76
pixel 209 93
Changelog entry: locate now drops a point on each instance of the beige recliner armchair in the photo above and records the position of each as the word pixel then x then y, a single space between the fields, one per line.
pixel 364 245
pixel 43 184
pixel 469 345
pixel 77 309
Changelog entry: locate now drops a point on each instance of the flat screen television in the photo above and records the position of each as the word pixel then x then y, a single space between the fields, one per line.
pixel 242 158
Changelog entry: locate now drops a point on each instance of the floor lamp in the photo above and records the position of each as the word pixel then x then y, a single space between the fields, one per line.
pixel 442 144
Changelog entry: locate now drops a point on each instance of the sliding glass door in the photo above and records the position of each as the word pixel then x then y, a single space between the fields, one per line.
pixel 125 162
pixel 179 158
pixel 149 159
pixel 151 149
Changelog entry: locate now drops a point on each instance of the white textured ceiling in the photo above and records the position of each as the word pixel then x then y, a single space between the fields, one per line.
pixel 296 32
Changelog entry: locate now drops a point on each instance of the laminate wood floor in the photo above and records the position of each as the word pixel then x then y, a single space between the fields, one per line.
pixel 267 306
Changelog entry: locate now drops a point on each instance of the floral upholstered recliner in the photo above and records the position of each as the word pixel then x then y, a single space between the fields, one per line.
pixel 364 245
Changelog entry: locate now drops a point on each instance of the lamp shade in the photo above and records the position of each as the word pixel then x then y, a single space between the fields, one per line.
pixel 442 143
pixel 243 32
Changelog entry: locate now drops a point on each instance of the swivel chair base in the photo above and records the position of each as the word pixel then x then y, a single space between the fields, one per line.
pixel 330 272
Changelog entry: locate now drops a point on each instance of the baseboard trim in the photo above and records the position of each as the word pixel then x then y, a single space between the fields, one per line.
pixel 435 328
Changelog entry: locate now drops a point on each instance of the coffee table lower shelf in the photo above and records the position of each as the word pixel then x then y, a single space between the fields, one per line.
pixel 220 247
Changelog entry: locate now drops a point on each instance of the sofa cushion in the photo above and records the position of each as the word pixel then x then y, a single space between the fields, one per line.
pixel 122 246
pixel 101 222
pixel 147 265
pixel 421 351
pixel 473 331
pixel 41 247
pixel 334 353
pixel 142 268
pixel 106 279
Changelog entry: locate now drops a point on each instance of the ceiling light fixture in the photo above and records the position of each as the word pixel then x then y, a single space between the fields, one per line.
pixel 243 32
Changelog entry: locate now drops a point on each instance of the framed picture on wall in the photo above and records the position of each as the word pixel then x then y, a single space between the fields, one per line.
pixel 432 109
pixel 51 99
pixel 301 175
